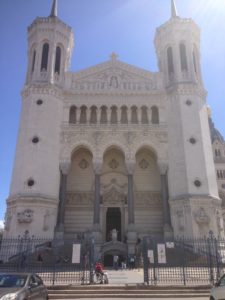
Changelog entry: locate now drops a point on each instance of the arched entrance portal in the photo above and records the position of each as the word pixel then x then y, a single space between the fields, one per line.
pixel 113 221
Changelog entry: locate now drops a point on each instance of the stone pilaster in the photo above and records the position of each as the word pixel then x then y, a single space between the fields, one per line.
pixel 64 170
pixel 168 232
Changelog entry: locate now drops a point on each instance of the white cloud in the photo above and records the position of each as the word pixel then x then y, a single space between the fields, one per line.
pixel 1 224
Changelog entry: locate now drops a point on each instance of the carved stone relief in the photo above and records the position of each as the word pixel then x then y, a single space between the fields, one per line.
pixel 143 164
pixel 180 220
pixel 79 198
pixel 46 222
pixel 25 216
pixel 201 218
pixel 148 199
pixel 83 164
pixel 113 197
pixel 113 164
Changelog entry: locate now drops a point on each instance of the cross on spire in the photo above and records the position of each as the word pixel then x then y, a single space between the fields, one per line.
pixel 113 56
pixel 54 11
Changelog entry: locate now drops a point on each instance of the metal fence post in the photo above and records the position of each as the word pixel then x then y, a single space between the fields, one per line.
pixel 183 262
pixel 145 260
pixel 211 275
pixel 92 255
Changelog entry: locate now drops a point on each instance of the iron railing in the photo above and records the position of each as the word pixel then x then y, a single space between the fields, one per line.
pixel 53 259
pixel 183 261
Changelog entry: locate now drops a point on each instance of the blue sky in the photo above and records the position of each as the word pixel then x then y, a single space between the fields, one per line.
pixel 101 27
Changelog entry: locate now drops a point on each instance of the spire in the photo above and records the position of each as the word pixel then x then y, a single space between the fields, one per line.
pixel 173 9
pixel 54 11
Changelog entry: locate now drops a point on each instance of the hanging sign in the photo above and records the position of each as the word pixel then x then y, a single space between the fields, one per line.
pixel 161 249
pixel 76 254
pixel 151 256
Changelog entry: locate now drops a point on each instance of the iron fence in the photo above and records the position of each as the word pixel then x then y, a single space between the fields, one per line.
pixel 58 261
pixel 183 261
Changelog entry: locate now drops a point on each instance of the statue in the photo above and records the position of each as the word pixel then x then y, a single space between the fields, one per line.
pixel 114 235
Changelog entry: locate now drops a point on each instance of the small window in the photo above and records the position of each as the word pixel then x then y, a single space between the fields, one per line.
pixel 35 140
pixel 195 63
pixel 183 58
pixel 188 102
pixel 30 182
pixel 155 115
pixel 39 102
pixel 170 61
pixel 57 60
pixel 73 115
pixel 223 186
pixel 192 140
pixel 44 60
pixel 197 183
pixel 33 61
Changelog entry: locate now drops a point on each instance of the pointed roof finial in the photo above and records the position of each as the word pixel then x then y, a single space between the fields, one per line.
pixel 54 11
pixel 173 9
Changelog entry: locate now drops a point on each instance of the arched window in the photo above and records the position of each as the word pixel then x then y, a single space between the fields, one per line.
pixel 33 61
pixel 134 118
pixel 183 58
pixel 57 60
pixel 155 115
pixel 144 115
pixel 124 119
pixel 170 62
pixel 195 61
pixel 103 117
pixel 73 115
pixel 83 115
pixel 93 118
pixel 113 119
pixel 44 60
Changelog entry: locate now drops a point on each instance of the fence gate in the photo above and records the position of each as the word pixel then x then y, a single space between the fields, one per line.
pixel 183 261
pixel 58 261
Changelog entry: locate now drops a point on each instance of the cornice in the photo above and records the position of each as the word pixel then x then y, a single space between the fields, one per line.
pixel 41 89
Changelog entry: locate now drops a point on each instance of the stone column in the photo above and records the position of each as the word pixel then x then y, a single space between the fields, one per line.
pixel 131 232
pixel 96 217
pixel 88 115
pixel 165 196
pixel 64 170
pixel 139 115
pixel 98 115
pixel 129 115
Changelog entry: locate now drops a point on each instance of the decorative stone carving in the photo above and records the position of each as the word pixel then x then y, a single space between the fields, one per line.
pixel 143 164
pixel 114 234
pixel 83 164
pixel 122 189
pixel 8 218
pixel 180 220
pixel 113 197
pixel 152 199
pixel 25 216
pixel 201 217
pixel 76 199
pixel 46 222
pixel 113 164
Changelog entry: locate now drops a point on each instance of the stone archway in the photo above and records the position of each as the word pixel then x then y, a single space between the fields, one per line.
pixel 79 193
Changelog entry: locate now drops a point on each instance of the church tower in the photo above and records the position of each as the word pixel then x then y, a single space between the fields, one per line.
pixel 194 201
pixel 34 194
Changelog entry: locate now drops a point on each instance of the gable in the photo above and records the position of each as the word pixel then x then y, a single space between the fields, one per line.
pixel 115 76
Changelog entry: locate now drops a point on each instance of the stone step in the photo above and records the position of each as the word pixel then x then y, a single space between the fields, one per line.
pixel 104 291
pixel 127 295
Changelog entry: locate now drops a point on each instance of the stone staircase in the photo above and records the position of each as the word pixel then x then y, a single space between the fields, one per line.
pixel 126 291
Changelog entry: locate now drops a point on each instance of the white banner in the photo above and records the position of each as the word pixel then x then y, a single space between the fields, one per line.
pixel 76 254
pixel 170 245
pixel 151 256
pixel 161 253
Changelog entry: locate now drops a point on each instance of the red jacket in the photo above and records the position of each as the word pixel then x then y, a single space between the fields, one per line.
pixel 99 267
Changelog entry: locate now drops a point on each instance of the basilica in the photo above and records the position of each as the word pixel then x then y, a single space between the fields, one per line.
pixel 115 151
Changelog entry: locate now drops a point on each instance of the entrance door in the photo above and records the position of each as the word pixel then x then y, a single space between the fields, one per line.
pixel 113 221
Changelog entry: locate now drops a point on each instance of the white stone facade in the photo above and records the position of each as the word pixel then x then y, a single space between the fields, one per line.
pixel 96 147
